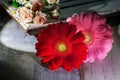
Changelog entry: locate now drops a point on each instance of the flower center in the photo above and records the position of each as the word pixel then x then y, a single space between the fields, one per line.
pixel 88 38
pixel 53 1
pixel 22 0
pixel 62 47
pixel 27 15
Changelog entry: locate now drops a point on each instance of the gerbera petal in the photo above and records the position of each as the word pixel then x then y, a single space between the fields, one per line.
pixel 79 37
pixel 104 30
pixel 71 31
pixel 86 19
pixel 90 58
pixel 38 37
pixel 66 65
pixel 79 49
pixel 43 48
pixel 40 45
pixel 74 60
pixel 103 51
pixel 47 58
pixel 43 41
pixel 98 20
pixel 52 33
pixel 62 30
pixel 77 66
pixel 75 20
pixel 56 62
pixel 43 53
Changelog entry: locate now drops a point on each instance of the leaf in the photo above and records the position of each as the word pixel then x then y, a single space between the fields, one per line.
pixel 14 4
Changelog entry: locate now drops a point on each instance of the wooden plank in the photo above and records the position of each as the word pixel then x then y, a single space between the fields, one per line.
pixel 43 73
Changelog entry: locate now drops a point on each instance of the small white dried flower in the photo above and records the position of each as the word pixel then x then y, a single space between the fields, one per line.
pixel 53 1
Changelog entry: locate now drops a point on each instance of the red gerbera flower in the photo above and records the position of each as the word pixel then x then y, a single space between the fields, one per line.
pixel 60 46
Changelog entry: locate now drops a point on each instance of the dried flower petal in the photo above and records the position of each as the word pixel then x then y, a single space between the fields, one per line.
pixel 40 18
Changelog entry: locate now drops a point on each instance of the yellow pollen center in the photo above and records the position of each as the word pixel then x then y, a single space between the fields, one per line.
pixel 13 12
pixel 22 0
pixel 54 1
pixel 87 38
pixel 62 47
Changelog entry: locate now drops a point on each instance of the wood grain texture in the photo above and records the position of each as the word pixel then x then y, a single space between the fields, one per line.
pixel 42 73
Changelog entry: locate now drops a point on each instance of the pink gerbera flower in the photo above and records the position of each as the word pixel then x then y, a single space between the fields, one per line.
pixel 98 34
